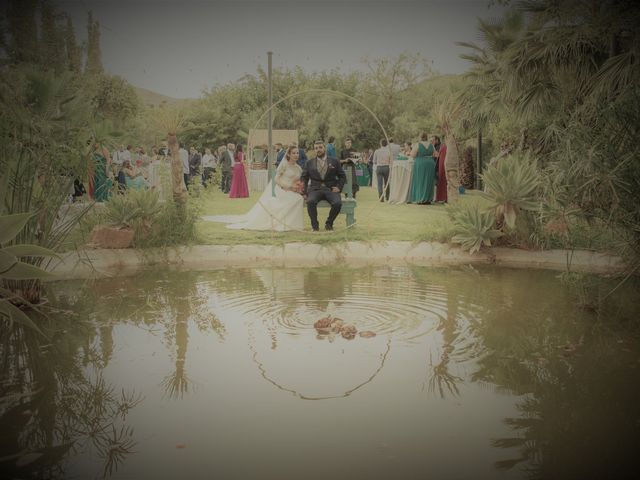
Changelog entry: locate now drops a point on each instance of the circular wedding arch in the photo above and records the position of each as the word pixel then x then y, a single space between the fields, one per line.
pixel 323 90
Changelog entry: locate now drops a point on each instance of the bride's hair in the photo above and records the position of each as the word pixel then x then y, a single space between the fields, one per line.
pixel 287 155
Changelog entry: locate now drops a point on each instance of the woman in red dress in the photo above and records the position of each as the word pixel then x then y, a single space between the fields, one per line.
pixel 239 187
pixel 441 187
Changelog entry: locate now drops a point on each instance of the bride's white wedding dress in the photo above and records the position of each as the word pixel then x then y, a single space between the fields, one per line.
pixel 280 213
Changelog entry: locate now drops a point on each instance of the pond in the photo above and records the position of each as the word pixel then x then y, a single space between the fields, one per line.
pixel 473 373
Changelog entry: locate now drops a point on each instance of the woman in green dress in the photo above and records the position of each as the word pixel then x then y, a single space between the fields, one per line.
pixel 101 182
pixel 423 176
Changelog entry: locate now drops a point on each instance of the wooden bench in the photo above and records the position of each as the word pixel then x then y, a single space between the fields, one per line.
pixel 349 204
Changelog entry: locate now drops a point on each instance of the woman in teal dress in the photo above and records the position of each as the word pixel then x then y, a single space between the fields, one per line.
pixel 423 176
pixel 101 182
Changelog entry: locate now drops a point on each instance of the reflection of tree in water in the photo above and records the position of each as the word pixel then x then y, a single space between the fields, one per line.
pixel 158 300
pixel 453 327
pixel 573 372
pixel 50 406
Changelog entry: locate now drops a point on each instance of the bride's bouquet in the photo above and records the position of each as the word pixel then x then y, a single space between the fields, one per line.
pixel 298 186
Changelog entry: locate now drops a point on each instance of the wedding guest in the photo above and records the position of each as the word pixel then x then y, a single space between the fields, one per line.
pixel 368 158
pixel 382 160
pixel 331 148
pixel 195 161
pixel 395 150
pixel 280 151
pixel 184 158
pixel 100 180
pixel 225 160
pixel 133 176
pixel 302 155
pixel 239 186
pixel 422 178
pixel 154 170
pixel 346 160
pixel 441 185
pixel 208 166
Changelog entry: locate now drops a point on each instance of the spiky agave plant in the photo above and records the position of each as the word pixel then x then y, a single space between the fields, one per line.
pixel 473 227
pixel 511 185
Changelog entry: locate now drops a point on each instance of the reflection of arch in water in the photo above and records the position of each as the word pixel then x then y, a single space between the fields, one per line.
pixel 283 325
pixel 346 393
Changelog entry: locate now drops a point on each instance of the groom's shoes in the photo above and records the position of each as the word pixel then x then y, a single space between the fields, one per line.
pixel 328 227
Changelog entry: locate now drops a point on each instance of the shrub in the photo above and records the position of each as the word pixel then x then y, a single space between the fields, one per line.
pixel 511 185
pixel 473 227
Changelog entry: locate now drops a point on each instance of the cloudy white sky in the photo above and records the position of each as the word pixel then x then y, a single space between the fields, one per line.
pixel 178 48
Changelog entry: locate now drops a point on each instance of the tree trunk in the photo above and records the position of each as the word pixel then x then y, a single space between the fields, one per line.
pixel 452 169
pixel 177 178
pixel 466 168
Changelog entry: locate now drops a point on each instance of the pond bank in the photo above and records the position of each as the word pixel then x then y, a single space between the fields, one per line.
pixel 103 262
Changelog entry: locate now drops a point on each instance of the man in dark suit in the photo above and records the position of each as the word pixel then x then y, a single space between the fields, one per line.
pixel 280 151
pixel 226 164
pixel 323 179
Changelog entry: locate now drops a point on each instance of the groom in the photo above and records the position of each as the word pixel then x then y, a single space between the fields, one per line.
pixel 323 179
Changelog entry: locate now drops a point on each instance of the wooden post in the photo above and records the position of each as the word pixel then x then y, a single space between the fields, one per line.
pixel 269 124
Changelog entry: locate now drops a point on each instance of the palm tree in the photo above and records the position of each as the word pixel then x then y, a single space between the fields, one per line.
pixel 170 121
pixel 489 88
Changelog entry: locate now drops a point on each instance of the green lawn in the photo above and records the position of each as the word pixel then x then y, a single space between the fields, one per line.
pixel 375 221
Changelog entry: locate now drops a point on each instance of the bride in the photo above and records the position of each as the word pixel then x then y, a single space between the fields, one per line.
pixel 281 212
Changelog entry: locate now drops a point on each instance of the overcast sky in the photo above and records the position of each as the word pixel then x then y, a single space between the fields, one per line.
pixel 178 48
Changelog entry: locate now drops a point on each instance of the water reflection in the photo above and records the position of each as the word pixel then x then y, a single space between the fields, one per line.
pixel 454 348
pixel 53 406
pixel 576 373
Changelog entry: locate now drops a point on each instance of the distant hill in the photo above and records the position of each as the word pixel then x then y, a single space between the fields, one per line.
pixel 154 99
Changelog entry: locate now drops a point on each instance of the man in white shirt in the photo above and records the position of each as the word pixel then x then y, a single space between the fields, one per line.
pixel 208 166
pixel 382 158
pixel 395 150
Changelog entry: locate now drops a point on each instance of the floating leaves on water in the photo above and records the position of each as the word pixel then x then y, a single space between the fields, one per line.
pixel 324 322
pixel 328 326
pixel 349 332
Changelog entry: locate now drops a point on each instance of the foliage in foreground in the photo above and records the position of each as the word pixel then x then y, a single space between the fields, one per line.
pixel 155 223
pixel 12 269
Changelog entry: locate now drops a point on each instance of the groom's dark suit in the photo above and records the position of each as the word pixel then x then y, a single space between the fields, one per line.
pixel 318 187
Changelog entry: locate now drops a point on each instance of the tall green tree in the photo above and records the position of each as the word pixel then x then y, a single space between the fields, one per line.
pixel 72 49
pixel 388 78
pixel 52 41
pixel 22 43
pixel 94 54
